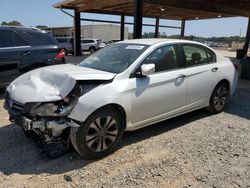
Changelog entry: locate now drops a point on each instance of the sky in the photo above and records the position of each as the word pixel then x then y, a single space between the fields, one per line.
pixel 41 12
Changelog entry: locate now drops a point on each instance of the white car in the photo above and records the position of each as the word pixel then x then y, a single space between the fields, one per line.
pixel 123 87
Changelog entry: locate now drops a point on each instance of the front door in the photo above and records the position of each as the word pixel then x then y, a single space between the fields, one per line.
pixel 161 94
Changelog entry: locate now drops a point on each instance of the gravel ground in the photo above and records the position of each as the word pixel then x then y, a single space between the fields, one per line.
pixel 193 150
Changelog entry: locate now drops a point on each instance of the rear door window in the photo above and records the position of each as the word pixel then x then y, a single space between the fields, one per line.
pixel 62 40
pixel 87 41
pixel 211 56
pixel 195 55
pixel 38 38
pixel 6 39
pixel 19 41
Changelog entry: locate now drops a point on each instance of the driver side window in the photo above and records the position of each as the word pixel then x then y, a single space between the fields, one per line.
pixel 165 58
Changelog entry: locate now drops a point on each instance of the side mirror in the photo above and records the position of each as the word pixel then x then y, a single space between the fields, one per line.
pixel 147 69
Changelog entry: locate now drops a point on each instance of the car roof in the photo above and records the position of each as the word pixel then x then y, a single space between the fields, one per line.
pixel 21 28
pixel 90 39
pixel 153 41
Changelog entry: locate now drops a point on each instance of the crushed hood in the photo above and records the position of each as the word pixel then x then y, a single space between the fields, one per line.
pixel 52 83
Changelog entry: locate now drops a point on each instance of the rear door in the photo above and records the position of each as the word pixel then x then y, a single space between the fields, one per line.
pixel 12 52
pixel 201 73
pixel 44 49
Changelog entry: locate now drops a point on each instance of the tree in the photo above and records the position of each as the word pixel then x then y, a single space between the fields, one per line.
pixel 4 23
pixel 42 27
pixel 12 23
pixel 15 23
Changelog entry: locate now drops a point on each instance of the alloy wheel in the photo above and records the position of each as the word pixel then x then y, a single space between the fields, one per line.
pixel 102 133
pixel 220 98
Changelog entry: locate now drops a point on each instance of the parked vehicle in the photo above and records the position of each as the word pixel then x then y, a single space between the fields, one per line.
pixel 102 45
pixel 90 45
pixel 123 87
pixel 112 41
pixel 24 49
pixel 67 43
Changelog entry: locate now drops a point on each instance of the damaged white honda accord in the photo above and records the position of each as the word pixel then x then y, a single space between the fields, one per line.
pixel 123 87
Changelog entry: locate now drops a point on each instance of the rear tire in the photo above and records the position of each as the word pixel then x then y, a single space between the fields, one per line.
pixel 219 98
pixel 99 135
pixel 92 50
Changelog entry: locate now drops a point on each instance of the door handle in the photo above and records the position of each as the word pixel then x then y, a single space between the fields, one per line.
pixel 215 69
pixel 181 76
pixel 26 53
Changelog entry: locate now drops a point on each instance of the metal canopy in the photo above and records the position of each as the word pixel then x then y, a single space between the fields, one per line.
pixel 164 9
pixel 159 9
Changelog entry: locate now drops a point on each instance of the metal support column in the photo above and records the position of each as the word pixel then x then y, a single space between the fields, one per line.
pixel 183 24
pixel 122 27
pixel 247 38
pixel 138 19
pixel 157 27
pixel 77 33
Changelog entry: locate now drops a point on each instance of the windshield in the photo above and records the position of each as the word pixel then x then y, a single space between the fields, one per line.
pixel 115 58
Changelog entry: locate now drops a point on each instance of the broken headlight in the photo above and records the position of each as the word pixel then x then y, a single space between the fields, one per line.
pixel 59 108
pixel 62 107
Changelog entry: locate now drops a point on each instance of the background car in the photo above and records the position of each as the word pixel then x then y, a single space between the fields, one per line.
pixel 112 41
pixel 24 49
pixel 123 87
pixel 67 43
pixel 91 45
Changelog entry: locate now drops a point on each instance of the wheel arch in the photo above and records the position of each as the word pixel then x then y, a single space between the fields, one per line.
pixel 224 81
pixel 221 81
pixel 92 47
pixel 117 107
pixel 210 108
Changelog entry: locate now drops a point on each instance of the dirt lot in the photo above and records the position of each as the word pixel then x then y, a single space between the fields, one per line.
pixel 194 150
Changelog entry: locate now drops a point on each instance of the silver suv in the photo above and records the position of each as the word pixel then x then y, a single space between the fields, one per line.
pixel 67 43
pixel 90 45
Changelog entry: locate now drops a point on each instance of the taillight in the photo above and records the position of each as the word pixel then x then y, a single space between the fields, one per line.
pixel 61 54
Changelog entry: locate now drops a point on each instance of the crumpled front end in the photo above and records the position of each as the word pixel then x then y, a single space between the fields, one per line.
pixel 40 103
pixel 49 121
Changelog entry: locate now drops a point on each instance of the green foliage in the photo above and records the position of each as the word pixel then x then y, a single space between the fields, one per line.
pixel 42 27
pixel 4 23
pixel 227 40
pixel 12 23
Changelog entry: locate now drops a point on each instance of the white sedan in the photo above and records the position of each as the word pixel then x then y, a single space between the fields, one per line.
pixel 124 87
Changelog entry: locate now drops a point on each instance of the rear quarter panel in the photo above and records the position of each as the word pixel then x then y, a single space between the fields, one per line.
pixel 43 55
pixel 228 72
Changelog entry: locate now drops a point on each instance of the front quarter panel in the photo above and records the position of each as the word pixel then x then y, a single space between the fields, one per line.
pixel 116 92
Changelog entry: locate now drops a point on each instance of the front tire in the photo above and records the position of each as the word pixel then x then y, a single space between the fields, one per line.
pixel 99 135
pixel 219 98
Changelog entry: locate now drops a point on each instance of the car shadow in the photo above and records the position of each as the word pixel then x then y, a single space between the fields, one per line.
pixel 20 155
pixel 239 103
pixel 163 127
pixel 2 91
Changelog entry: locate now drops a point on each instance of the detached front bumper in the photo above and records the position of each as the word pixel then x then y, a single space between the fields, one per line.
pixel 51 134
pixel 51 128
